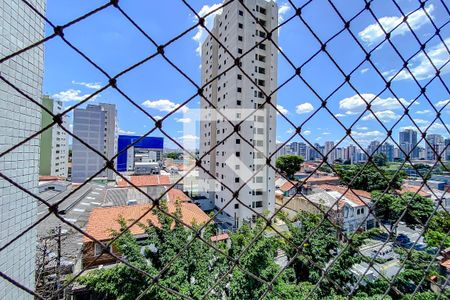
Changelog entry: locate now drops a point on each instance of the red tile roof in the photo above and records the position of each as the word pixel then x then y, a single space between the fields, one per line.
pixel 406 188
pixel 286 186
pixel 323 179
pixel 446 264
pixel 353 195
pixel 105 219
pixel 220 237
pixel 50 178
pixel 145 180
pixel 312 180
pixel 175 194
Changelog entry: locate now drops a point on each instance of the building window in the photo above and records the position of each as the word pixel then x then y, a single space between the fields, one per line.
pixel 236 206
pixel 240 38
pixel 241 13
pixel 239 90
pixel 240 25
pixel 238 154
pixel 236 179
pixel 238 102
pixel 239 77
pixel 239 51
pixel 257 204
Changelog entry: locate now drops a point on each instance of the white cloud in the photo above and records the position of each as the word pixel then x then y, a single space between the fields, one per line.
pixel 357 104
pixel 421 121
pixel 164 105
pixel 283 110
pixel 282 11
pixel 201 33
pixel 362 127
pixel 423 112
pixel 90 85
pixel 443 103
pixel 157 117
pixel 307 132
pixel 326 133
pixel 435 128
pixel 128 132
pixel 374 33
pixel 364 70
pixel 384 115
pixel 340 115
pixel 368 134
pixel 421 67
pixel 71 95
pixel 304 108
pixel 184 120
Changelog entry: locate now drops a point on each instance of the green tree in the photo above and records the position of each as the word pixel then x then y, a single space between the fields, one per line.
pixel 368 177
pixel 173 155
pixel 289 164
pixel 199 264
pixel 437 230
pixel 319 244
pixel 380 159
pixel 391 207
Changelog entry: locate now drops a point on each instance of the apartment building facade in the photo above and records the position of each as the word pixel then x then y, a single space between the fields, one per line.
pixel 54 151
pixel 235 95
pixel 20 118
pixel 435 146
pixel 408 143
pixel 97 126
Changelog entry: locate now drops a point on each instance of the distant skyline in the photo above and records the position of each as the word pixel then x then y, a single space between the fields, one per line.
pixel 159 88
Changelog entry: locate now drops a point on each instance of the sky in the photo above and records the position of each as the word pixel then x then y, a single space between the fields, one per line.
pixel 111 41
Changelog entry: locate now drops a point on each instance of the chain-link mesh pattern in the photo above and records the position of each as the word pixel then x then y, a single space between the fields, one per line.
pixel 266 222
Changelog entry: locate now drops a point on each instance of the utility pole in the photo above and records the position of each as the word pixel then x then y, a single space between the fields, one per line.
pixel 58 259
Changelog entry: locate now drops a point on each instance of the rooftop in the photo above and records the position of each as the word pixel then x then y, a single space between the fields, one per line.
pixel 145 180
pixel 103 220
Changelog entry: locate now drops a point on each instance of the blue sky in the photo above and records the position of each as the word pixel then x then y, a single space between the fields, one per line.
pixel 112 42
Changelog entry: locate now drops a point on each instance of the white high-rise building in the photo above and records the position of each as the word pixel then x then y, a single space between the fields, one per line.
pixel 19 119
pixel 435 146
pixel 234 161
pixel 330 151
pixel 97 126
pixel 54 151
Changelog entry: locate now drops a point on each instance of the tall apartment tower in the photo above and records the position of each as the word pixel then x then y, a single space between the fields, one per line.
pixel 19 119
pixel 435 146
pixel 54 151
pixel 374 148
pixel 407 140
pixel 97 126
pixel 388 150
pixel 234 161
pixel 329 151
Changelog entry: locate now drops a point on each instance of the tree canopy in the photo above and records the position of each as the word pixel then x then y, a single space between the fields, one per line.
pixel 311 244
pixel 289 164
pixel 173 155
pixel 369 177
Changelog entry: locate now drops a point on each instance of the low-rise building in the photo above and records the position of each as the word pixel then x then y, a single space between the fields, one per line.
pixel 104 221
pixel 347 208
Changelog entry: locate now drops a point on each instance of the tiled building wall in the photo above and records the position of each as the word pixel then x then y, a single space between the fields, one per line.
pixel 20 118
